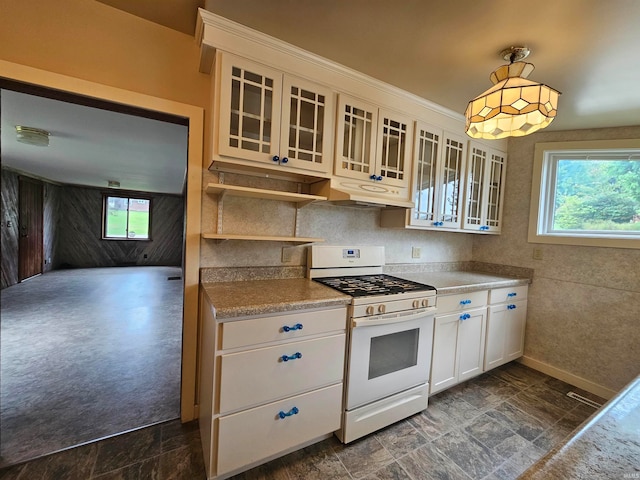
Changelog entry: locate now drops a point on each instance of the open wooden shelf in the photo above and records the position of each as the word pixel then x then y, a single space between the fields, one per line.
pixel 262 238
pixel 301 199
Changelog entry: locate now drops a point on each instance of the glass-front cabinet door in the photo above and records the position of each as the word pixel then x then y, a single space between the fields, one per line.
pixel 427 151
pixel 393 149
pixel 249 110
pixel 451 182
pixel 356 138
pixel 484 189
pixel 307 120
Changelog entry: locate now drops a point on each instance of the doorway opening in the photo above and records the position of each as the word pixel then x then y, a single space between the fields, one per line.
pixel 97 307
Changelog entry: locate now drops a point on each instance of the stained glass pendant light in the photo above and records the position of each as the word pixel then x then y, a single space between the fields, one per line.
pixel 514 106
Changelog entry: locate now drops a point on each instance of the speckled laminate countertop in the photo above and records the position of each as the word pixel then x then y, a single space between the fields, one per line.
pixel 258 297
pixel 462 282
pixel 605 446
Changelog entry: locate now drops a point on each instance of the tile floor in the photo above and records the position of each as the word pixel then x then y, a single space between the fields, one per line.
pixel 492 427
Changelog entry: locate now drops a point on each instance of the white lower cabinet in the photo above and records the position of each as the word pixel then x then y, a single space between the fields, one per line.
pixel 505 326
pixel 269 384
pixel 458 348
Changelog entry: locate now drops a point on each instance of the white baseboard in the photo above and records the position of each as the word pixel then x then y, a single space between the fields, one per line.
pixel 568 377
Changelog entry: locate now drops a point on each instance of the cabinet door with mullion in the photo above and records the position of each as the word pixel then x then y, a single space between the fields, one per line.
pixel 355 138
pixel 427 152
pixel 250 102
pixel 451 181
pixel 494 191
pixel 393 149
pixel 307 119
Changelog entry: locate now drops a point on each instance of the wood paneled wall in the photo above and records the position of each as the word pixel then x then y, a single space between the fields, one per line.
pixel 80 242
pixel 72 231
pixel 9 229
pixel 51 224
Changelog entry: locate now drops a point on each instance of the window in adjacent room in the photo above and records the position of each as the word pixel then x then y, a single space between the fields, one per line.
pixel 126 218
pixel 586 193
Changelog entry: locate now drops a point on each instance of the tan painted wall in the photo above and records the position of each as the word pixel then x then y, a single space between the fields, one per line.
pixel 92 41
pixel 584 301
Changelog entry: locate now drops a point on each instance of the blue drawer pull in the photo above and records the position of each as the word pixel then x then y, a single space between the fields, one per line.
pixel 512 294
pixel 293 411
pixel 286 358
pixel 465 302
pixel 297 326
pixel 372 177
pixel 511 307
pixel 276 158
pixel 484 228
pixel 379 178
pixel 285 160
pixel 438 224
pixel 465 316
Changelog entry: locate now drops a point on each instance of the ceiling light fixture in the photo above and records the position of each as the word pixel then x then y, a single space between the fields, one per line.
pixel 514 106
pixel 32 136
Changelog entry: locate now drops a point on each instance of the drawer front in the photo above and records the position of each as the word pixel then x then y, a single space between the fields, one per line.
pixel 254 331
pixel 463 301
pixel 509 294
pixel 251 435
pixel 261 375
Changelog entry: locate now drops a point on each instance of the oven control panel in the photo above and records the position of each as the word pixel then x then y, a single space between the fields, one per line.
pixel 393 306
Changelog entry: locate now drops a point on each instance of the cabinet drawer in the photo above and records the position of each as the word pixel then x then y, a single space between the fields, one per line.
pixel 251 435
pixel 254 331
pixel 509 294
pixel 463 301
pixel 261 375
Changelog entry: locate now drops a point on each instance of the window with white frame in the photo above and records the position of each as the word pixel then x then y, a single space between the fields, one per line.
pixel 586 193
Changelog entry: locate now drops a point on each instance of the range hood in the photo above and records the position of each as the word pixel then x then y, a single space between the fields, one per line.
pixel 361 194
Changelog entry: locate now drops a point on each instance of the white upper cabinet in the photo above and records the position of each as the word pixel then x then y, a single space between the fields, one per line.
pixel 438 171
pixel 372 144
pixel 484 189
pixel 266 116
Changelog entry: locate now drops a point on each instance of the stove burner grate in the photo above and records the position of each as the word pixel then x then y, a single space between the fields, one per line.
pixel 364 285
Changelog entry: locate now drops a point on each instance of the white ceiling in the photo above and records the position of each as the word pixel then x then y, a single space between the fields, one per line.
pixel 442 50
pixel 90 146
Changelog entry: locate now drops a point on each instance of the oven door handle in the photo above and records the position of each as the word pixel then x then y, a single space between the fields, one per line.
pixel 392 318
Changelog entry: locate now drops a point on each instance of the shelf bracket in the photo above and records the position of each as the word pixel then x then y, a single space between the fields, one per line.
pixel 220 205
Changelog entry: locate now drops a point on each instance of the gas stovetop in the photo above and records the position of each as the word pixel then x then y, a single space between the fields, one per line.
pixel 369 285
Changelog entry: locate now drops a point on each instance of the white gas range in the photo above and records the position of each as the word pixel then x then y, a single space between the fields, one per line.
pixel 391 337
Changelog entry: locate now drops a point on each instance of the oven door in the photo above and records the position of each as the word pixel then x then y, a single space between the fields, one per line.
pixel 388 354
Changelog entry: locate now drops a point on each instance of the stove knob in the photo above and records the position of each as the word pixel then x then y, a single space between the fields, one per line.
pixel 416 304
pixel 425 302
pixel 381 308
pixel 369 310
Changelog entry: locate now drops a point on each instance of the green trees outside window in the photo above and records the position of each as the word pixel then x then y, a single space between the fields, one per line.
pixel 127 218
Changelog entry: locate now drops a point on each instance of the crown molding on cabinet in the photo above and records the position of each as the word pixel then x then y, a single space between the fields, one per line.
pixel 216 32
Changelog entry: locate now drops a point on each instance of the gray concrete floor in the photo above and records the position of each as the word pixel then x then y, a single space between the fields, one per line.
pixel 86 354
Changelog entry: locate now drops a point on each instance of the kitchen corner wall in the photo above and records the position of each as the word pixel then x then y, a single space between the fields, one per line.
pixel 338 225
pixel 584 301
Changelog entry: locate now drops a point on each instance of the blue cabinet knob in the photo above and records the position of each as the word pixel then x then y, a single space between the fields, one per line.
pixel 511 307
pixel 379 178
pixel 286 358
pixel 285 160
pixel 372 177
pixel 276 158
pixel 465 316
pixel 512 294
pixel 438 224
pixel 465 302
pixel 293 411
